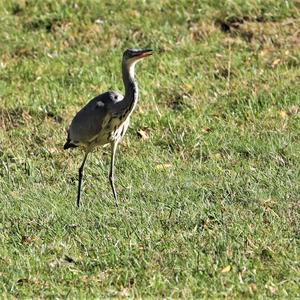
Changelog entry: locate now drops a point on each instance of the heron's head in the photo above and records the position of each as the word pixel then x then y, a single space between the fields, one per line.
pixel 132 56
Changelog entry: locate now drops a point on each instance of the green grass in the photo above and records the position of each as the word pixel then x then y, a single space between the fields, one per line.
pixel 209 202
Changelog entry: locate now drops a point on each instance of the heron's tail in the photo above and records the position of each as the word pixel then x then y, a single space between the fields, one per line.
pixel 69 144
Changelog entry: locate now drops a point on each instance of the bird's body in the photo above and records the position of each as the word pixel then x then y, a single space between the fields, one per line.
pixel 105 118
pixel 102 125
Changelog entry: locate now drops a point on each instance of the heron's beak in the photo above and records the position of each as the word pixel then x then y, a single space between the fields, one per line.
pixel 144 53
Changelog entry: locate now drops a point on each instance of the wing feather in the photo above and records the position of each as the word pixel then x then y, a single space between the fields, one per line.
pixel 92 118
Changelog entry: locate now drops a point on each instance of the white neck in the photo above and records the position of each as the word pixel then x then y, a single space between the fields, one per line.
pixel 131 68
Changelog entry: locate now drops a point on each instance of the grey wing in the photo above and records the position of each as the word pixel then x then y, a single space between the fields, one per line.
pixel 90 120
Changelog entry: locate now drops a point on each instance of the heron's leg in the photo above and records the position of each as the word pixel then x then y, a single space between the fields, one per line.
pixel 112 171
pixel 80 178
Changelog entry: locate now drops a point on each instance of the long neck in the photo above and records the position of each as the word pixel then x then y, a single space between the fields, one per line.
pixel 131 88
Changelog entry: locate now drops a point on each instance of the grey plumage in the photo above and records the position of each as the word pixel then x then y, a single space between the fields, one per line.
pixel 105 118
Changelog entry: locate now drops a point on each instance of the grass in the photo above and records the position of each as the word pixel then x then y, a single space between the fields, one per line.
pixel 209 196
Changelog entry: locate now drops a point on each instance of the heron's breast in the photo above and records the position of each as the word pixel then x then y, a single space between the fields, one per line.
pixel 118 129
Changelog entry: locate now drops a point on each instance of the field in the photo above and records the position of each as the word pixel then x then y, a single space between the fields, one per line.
pixel 208 173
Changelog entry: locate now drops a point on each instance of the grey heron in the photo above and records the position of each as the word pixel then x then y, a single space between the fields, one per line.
pixel 105 118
